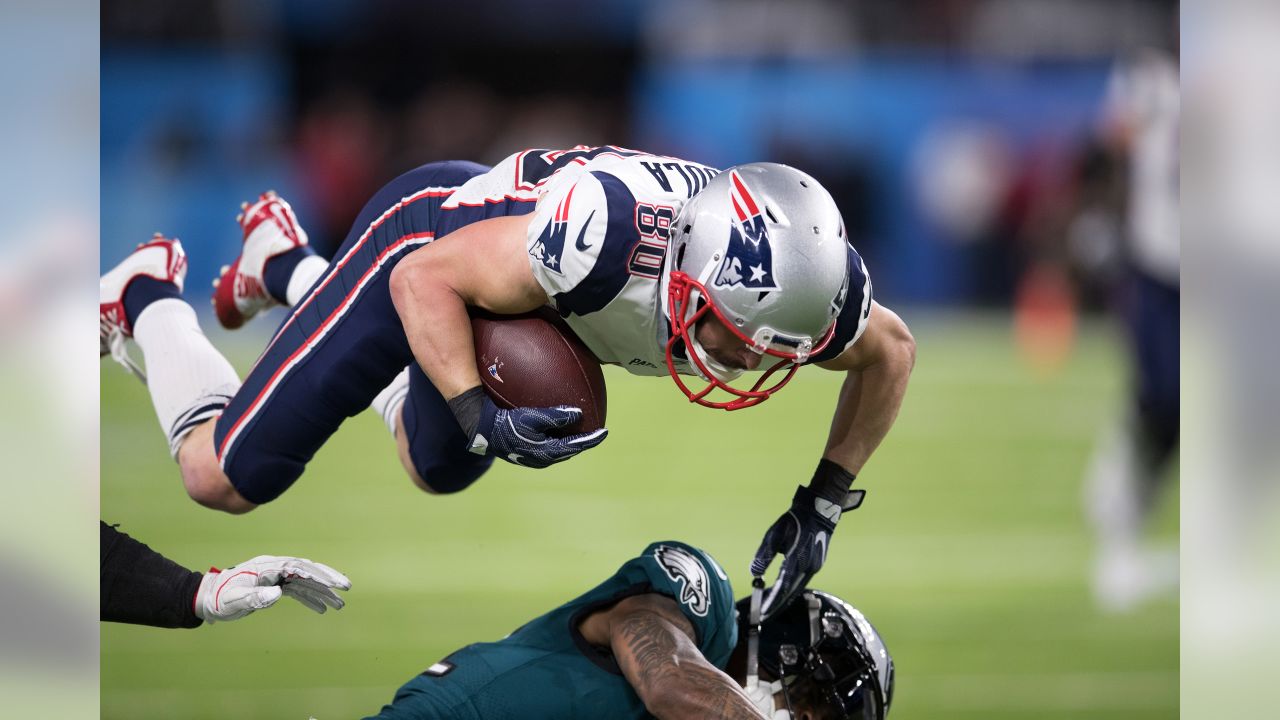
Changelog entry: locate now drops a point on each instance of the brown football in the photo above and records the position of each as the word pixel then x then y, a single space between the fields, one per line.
pixel 535 360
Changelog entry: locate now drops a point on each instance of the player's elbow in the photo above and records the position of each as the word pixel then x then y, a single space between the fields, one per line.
pixel 679 691
pixel 420 279
pixel 904 346
pixel 664 703
pixel 410 276
pixel 895 346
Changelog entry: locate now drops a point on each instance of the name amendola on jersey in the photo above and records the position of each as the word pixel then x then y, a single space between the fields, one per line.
pixel 598 238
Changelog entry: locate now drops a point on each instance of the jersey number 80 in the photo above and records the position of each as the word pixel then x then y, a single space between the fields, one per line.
pixel 653 222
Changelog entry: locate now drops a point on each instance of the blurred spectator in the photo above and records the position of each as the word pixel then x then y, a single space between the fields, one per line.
pixel 552 121
pixel 342 148
pixel 458 118
pixel 748 29
pixel 1067 28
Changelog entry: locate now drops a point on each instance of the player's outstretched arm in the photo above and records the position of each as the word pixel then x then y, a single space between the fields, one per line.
pixel 141 586
pixel 484 265
pixel 653 643
pixel 877 369
pixel 258 583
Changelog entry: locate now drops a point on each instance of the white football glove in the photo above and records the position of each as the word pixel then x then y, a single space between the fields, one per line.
pixel 761 695
pixel 258 583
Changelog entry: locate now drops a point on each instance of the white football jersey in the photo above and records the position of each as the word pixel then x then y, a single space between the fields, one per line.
pixel 1144 97
pixel 597 244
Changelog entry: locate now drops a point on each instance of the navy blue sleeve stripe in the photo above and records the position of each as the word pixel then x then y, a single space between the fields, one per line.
pixel 609 275
pixel 851 314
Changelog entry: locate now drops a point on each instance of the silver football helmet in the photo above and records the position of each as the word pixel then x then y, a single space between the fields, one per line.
pixel 763 249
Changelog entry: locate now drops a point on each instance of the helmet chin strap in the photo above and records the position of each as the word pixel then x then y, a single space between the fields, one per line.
pixel 762 698
pixel 753 633
pixel 761 694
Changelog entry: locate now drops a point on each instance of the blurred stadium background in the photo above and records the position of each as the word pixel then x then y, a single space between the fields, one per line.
pixel 953 133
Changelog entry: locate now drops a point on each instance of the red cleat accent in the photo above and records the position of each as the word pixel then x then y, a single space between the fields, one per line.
pixel 270 228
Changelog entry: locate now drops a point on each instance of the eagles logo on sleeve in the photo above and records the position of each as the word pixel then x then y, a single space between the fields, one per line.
pixel 686 571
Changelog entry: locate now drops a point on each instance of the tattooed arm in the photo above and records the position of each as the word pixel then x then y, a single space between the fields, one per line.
pixel 654 645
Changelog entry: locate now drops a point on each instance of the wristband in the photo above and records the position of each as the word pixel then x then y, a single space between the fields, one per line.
pixel 467 407
pixel 831 482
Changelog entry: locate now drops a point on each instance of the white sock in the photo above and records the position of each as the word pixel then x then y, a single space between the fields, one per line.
pixel 1110 494
pixel 388 402
pixel 190 381
pixel 305 274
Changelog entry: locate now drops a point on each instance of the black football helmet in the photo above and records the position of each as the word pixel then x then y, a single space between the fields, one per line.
pixel 828 657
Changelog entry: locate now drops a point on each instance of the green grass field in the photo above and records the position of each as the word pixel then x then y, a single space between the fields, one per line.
pixel 970 554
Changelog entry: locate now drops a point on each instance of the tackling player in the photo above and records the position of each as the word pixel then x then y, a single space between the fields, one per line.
pixel 662 638
pixel 659 265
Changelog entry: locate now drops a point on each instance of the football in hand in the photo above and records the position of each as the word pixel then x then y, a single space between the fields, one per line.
pixel 535 360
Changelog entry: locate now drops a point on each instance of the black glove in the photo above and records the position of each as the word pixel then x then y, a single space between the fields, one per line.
pixel 519 435
pixel 801 534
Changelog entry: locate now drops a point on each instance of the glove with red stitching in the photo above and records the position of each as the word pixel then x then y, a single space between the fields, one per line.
pixel 258 583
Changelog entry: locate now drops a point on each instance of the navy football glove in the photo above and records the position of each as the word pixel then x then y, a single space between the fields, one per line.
pixel 801 535
pixel 519 435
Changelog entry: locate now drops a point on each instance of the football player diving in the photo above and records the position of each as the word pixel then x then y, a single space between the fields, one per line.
pixel 659 265
pixel 663 638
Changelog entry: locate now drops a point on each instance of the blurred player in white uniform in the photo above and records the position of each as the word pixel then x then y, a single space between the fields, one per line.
pixel 1133 458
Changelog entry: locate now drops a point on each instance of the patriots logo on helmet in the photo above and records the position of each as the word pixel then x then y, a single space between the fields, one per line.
pixel 684 570
pixel 748 260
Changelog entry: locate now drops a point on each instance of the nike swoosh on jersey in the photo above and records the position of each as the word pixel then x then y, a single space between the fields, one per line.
pixel 581 235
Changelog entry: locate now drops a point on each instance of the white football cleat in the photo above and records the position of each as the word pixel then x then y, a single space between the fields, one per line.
pixel 270 229
pixel 1125 578
pixel 162 259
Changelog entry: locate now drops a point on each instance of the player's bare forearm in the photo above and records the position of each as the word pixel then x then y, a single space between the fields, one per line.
pixel 482 265
pixel 437 327
pixel 670 675
pixel 878 368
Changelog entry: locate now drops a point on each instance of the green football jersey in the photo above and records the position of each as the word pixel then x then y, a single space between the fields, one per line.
pixel 545 669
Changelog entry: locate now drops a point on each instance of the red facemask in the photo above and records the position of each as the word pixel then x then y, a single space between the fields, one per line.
pixel 680 294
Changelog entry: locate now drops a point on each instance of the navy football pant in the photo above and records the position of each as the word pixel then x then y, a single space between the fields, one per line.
pixel 1152 316
pixel 343 343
